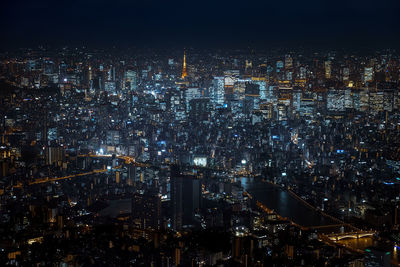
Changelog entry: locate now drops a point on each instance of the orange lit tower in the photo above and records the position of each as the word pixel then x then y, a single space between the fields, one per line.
pixel 184 72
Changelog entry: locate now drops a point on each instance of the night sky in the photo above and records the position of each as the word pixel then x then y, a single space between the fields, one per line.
pixel 209 23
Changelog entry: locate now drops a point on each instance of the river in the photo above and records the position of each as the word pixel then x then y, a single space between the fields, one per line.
pixel 276 198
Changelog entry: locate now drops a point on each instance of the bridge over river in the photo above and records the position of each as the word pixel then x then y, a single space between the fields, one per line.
pixel 290 206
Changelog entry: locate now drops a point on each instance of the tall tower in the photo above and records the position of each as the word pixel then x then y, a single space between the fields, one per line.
pixel 184 72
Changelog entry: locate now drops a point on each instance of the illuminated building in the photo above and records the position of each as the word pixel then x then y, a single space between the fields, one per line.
pixel 262 88
pixel 348 99
pixel 184 70
pixel 296 100
pixel 90 73
pixel 54 155
pixel 307 105
pixel 191 93
pixel 30 65
pixel 111 73
pixel 368 74
pixel 335 101
pixel 376 102
pixel 282 112
pixel 131 79
pixel 328 69
pixel 52 134
pixel 240 88
pixel 289 75
pixel 388 100
pixel 267 110
pixel 109 87
pixel 396 100
pixel 218 90
pixel 113 138
pixel 249 64
pixel 302 73
pixel 279 65
pixel 48 67
pixel 288 62
pixel 364 100
pixel 230 78
pixel 251 98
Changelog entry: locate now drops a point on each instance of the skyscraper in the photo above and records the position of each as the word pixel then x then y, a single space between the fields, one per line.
pixel 146 208
pixel 131 79
pixel 218 90
pixel 368 74
pixel 288 62
pixel 328 69
pixel 185 198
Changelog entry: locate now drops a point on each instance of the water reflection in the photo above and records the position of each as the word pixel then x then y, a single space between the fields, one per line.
pixel 360 243
pixel 283 203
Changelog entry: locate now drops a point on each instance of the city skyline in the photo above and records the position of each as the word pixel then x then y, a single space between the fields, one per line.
pixel 200 133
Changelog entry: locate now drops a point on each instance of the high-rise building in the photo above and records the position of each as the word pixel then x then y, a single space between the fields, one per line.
pixel 113 138
pixel 252 96
pixel 218 90
pixel 262 88
pixel 368 74
pixel 302 72
pixel 363 100
pixel 328 69
pixel 288 62
pixel 279 65
pixel 185 198
pixel 111 73
pixel 199 109
pixel 281 112
pixel 109 87
pixel 230 78
pixel 131 79
pixel 146 209
pixel 191 93
pixel 348 99
pixel 388 100
pixel 376 102
pixel 54 155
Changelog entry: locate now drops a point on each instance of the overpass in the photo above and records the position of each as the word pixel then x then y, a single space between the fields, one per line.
pixel 128 160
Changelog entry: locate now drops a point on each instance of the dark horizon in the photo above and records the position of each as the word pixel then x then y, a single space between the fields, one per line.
pixel 339 24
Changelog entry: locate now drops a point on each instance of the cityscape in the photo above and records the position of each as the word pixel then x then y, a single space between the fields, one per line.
pixel 216 152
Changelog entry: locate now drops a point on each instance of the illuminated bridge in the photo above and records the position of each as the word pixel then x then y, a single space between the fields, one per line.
pixel 350 235
pixel 127 160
